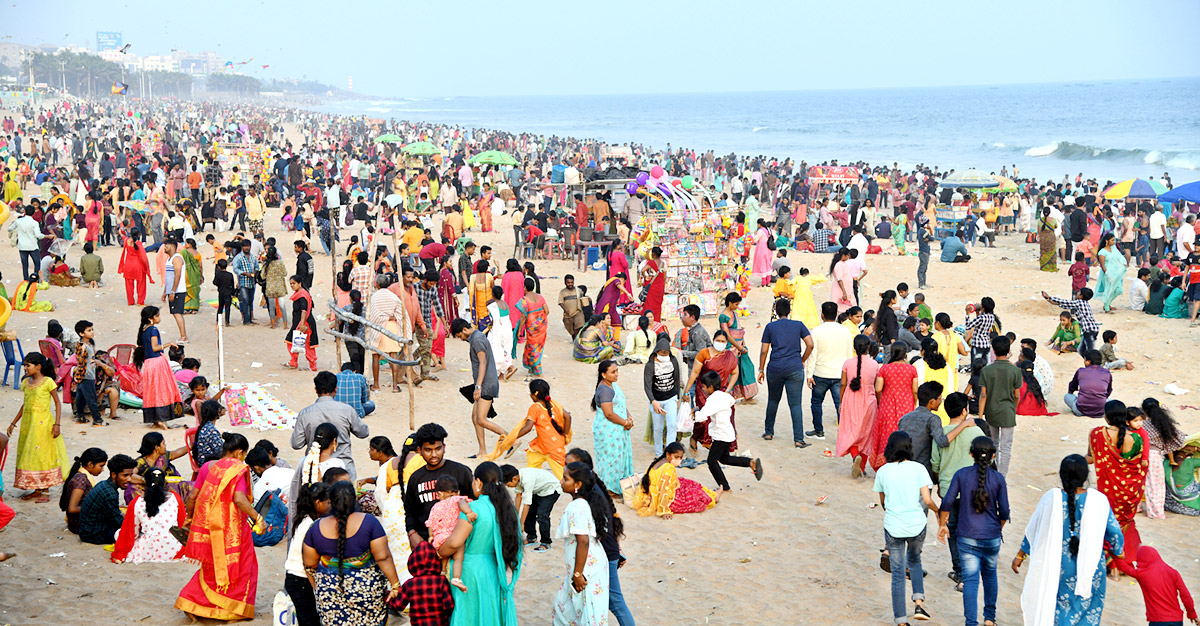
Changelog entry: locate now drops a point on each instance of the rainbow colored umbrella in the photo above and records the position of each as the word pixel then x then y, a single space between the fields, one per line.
pixel 1135 188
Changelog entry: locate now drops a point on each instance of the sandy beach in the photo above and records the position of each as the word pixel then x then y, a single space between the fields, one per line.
pixel 768 554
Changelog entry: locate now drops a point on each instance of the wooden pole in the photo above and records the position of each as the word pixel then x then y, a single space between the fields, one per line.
pixel 337 343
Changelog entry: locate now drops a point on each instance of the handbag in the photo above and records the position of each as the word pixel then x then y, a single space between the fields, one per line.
pixel 629 487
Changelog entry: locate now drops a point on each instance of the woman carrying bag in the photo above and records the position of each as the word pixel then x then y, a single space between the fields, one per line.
pixel 301 337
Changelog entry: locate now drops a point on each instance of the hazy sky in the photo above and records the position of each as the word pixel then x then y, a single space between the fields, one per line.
pixel 534 47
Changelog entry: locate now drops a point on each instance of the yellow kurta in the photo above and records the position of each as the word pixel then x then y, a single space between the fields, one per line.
pixel 926 374
pixel 948 348
pixel 804 307
pixel 42 461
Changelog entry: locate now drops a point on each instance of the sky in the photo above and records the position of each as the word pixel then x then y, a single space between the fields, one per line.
pixel 406 48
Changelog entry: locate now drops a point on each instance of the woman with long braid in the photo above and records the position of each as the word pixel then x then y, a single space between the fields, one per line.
pixel 859 403
pixel 1065 542
pixel 980 494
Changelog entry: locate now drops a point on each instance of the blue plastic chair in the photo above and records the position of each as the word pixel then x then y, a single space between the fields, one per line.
pixel 12 363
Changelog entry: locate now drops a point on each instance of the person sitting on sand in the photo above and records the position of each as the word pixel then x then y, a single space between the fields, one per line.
pixel 954 250
pixel 1066 334
pixel 663 493
pixel 1109 352
pixel 100 512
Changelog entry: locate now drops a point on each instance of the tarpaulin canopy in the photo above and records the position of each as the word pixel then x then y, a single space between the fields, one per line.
pixel 833 174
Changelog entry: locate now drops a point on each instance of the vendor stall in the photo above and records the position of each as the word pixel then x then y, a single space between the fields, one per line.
pixel 250 159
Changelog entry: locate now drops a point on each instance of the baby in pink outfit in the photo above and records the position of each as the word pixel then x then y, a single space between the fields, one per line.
pixel 442 519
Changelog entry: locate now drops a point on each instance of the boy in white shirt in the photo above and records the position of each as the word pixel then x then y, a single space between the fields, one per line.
pixel 718 412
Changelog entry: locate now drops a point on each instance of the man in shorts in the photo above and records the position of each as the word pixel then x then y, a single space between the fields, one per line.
pixel 486 386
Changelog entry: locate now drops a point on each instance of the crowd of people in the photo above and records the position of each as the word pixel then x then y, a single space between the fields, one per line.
pixel 925 404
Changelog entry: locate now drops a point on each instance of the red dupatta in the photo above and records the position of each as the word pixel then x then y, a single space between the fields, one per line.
pixel 1122 480
pixel 126 537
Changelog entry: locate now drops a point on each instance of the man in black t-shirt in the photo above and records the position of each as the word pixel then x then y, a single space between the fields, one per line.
pixel 420 494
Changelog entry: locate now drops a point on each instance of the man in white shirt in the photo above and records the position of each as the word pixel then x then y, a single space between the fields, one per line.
pixel 832 345
pixel 1139 290
pixel 1185 238
pixel 1158 233
pixel 859 242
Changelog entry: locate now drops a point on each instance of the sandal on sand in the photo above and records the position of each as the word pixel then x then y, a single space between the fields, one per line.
pixel 768 437
pixel 180 534
pixel 885 562
pixel 42 499
pixel 758 470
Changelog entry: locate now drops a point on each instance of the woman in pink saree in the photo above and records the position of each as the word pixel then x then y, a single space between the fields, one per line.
pixel 859 404
pixel 761 271
pixel 618 264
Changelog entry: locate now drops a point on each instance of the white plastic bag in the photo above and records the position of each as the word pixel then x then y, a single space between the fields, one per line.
pixel 283 610
pixel 684 417
pixel 299 340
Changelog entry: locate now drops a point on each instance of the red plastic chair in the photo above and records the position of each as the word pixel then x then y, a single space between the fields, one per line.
pixel 189 439
pixel 122 353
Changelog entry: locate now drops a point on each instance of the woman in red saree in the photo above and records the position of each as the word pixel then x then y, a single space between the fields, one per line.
pixel 534 321
pixel 723 360
pixel 220 539
pixel 656 278
pixel 448 312
pixel 896 384
pixel 135 267
pixel 1122 458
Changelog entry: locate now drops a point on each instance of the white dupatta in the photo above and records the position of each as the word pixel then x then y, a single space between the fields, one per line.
pixel 1039 598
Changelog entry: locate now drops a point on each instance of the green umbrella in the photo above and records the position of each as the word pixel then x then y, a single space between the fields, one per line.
pixel 493 157
pixel 421 148
pixel 388 138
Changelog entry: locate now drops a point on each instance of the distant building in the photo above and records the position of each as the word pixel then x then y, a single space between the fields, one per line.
pixel 108 41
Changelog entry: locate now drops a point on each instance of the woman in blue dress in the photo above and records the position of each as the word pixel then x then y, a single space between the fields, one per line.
pixel 610 429
pixel 1065 543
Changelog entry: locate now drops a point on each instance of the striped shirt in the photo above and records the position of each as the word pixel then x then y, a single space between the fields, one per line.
pixel 1082 312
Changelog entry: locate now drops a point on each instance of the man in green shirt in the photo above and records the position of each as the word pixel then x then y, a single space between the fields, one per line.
pixel 947 461
pixel 1000 385
pixel 91 266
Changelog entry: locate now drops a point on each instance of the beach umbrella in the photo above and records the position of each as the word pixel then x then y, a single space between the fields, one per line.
pixel 1135 188
pixel 970 179
pixel 421 148
pixel 388 138
pixel 493 157
pixel 1188 193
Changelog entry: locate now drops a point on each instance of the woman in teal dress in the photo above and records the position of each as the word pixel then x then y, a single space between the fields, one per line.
pixel 1173 306
pixel 1110 283
pixel 744 386
pixel 492 550
pixel 610 429
pixel 1065 541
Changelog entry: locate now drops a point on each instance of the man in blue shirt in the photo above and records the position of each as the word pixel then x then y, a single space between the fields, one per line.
pixel 954 250
pixel 245 267
pixel 788 343
pixel 352 389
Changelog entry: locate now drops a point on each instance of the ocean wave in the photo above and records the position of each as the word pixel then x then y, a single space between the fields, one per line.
pixel 758 128
pixel 1071 151
pixel 378 109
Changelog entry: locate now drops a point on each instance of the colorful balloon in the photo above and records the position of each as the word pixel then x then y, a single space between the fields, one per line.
pixel 688 182
pixel 631 187
pixel 657 172
pixel 677 182
pixel 642 178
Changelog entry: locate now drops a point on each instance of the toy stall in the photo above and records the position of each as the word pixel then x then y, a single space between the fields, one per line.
pixel 830 175
pixel 698 254
pixel 250 159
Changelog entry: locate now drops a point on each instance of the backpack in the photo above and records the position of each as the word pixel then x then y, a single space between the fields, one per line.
pixel 275 516
pixel 771 243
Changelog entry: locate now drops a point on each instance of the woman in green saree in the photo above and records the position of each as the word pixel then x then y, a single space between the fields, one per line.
pixel 1174 307
pixel 195 276
pixel 1183 488
pixel 1047 254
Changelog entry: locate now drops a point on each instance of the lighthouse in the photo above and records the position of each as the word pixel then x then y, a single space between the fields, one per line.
pixel 350 83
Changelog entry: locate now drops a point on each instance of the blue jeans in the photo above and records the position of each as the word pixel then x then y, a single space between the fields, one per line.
pixel 30 257
pixel 1071 401
pixel 616 601
pixel 793 382
pixel 820 386
pixel 903 550
pixel 368 407
pixel 86 390
pixel 978 558
pixel 246 303
pixel 660 422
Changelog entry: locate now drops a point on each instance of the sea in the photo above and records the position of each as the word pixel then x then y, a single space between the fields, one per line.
pixel 1111 130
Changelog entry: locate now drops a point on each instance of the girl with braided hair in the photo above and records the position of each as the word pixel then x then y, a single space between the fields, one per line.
pixel 859 403
pixel 1065 543
pixel 980 495
pixel 1122 460
pixel 352 567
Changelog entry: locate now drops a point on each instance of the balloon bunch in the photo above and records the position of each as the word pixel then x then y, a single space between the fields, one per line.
pixel 673 194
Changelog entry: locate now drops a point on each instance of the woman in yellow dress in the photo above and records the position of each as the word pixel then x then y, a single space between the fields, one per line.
pixel 42 460
pixel 932 367
pixel 479 290
pixel 663 493
pixel 949 346
pixel 804 307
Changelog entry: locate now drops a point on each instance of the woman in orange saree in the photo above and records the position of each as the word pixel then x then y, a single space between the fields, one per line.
pixel 220 540
pixel 483 208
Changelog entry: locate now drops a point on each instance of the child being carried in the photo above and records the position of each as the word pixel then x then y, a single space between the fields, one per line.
pixel 442 519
